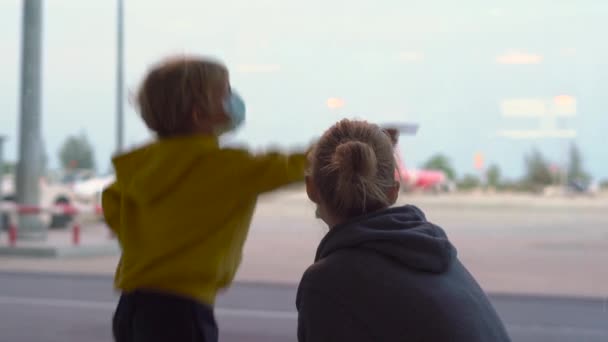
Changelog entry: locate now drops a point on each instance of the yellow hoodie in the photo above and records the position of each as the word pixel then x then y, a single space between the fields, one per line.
pixel 181 209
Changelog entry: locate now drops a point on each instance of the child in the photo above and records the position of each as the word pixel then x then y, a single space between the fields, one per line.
pixel 181 207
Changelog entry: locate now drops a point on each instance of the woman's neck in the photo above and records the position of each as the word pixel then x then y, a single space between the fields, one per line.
pixel 332 221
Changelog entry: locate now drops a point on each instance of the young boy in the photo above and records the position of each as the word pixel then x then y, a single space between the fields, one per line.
pixel 181 206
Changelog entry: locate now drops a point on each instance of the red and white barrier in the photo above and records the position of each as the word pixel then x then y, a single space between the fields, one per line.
pixel 12 235
pixel 76 234
pixel 57 209
pixel 14 210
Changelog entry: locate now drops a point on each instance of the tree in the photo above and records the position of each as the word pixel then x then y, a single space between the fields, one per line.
pixel 440 162
pixel 538 173
pixel 493 176
pixel 77 153
pixel 575 166
pixel 469 182
pixel 8 168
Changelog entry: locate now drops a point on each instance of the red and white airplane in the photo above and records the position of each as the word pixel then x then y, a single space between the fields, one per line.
pixel 412 179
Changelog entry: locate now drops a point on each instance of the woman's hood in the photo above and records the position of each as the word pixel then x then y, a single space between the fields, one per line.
pixel 401 233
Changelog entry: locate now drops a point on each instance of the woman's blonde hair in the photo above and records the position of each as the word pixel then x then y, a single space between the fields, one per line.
pixel 353 168
pixel 179 91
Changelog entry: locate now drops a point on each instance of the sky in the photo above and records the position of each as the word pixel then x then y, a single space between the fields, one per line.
pixel 301 66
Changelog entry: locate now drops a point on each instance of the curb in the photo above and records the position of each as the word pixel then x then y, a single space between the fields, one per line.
pixel 110 248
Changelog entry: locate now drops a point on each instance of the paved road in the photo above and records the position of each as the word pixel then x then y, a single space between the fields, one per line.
pixel 523 245
pixel 54 307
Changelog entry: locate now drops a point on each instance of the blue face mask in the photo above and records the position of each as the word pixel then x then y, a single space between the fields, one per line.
pixel 235 108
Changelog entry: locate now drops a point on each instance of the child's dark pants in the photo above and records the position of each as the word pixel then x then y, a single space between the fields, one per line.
pixel 158 317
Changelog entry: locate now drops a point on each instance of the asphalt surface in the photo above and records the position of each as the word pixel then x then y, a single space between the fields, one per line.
pixel 56 307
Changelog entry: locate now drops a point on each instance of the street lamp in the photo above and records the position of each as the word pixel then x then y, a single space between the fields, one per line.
pixel 2 138
pixel 119 76
pixel 30 132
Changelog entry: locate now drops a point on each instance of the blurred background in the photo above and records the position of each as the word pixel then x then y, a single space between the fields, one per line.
pixel 508 98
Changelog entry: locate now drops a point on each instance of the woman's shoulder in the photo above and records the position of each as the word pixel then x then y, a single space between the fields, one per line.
pixel 326 278
pixel 339 270
pixel 326 273
pixel 331 265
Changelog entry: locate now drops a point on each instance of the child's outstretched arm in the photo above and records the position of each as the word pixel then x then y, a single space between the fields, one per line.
pixel 273 170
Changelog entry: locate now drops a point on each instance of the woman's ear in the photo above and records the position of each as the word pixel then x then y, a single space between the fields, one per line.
pixel 393 134
pixel 393 193
pixel 311 190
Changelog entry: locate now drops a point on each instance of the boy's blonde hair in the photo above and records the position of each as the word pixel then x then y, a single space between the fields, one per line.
pixel 179 92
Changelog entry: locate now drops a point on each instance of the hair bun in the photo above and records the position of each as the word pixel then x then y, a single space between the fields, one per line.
pixel 355 159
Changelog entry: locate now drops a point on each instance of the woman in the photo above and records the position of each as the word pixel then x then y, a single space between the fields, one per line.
pixel 381 273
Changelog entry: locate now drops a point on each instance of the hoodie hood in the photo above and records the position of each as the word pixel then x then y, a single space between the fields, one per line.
pixel 401 233
pixel 148 173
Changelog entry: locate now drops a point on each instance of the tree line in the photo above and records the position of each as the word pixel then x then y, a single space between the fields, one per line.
pixel 538 174
pixel 77 152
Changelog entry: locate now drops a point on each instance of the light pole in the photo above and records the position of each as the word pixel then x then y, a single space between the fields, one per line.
pixel 30 135
pixel 120 76
pixel 1 181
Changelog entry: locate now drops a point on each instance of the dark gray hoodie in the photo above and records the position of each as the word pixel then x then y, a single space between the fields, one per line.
pixel 392 276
